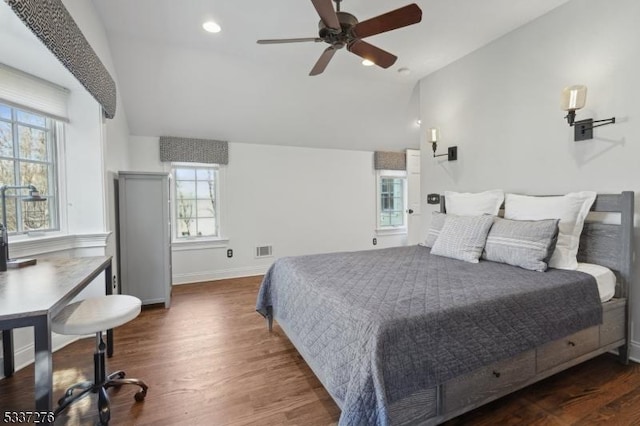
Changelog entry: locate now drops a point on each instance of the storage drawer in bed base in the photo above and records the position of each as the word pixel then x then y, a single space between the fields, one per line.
pixel 486 384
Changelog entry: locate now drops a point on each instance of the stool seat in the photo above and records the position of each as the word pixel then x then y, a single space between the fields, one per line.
pixel 96 314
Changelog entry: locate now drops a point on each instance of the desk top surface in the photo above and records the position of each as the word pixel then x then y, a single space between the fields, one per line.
pixel 48 286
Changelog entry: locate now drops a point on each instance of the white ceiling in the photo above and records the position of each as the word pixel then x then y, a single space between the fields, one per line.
pixel 175 79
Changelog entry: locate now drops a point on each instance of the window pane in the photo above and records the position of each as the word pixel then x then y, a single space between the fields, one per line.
pixel 196 202
pixel 206 208
pixel 5 112
pixel 11 214
pixel 206 227
pixel 29 118
pixel 31 150
pixel 185 189
pixel 36 174
pixel 185 216
pixel 205 174
pixel 6 139
pixel 206 191
pixel 185 174
pixel 7 176
pixel 33 143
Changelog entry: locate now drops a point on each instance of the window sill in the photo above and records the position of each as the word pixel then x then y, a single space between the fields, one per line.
pixel 25 246
pixel 199 244
pixel 391 231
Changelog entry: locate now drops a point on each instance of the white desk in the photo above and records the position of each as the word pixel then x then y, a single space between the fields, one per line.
pixel 31 296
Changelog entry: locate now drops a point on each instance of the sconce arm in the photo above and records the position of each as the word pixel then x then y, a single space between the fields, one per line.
pixel 604 122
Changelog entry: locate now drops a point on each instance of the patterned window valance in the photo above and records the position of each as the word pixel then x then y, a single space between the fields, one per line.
pixel 193 150
pixel 389 160
pixel 50 21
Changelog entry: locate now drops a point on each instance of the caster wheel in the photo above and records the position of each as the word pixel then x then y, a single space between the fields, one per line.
pixel 139 396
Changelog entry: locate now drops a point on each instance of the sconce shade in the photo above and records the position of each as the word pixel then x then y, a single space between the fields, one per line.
pixel 573 98
pixel 433 135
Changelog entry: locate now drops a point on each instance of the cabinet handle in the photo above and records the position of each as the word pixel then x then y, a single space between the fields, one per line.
pixel 496 374
pixel 570 343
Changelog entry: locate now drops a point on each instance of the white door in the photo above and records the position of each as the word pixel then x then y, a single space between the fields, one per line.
pixel 413 197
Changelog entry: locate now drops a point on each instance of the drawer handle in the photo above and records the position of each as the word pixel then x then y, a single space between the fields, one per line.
pixel 570 343
pixel 496 374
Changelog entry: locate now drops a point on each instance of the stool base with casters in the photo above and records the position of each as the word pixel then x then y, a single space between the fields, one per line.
pixel 87 315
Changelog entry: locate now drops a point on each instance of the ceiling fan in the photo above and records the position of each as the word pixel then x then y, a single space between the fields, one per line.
pixel 341 29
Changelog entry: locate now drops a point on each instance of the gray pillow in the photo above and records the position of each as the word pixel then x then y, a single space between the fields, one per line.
pixel 437 222
pixel 528 244
pixel 463 237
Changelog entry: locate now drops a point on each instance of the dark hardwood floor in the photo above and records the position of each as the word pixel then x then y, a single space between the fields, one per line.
pixel 209 360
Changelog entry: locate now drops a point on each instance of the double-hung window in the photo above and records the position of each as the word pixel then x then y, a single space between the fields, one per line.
pixel 392 200
pixel 28 157
pixel 196 201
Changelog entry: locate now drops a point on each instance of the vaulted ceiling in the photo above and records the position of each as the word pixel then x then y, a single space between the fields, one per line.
pixel 176 79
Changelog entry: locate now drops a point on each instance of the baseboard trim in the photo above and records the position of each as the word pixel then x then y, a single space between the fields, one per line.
pixel 24 356
pixel 220 274
pixel 634 353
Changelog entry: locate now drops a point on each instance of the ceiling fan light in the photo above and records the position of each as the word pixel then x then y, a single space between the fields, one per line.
pixel 212 27
pixel 367 62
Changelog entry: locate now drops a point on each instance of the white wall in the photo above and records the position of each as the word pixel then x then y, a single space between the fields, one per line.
pixel 500 105
pixel 299 200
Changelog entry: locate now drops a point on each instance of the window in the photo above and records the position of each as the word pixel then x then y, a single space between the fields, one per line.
pixel 28 157
pixel 196 201
pixel 392 199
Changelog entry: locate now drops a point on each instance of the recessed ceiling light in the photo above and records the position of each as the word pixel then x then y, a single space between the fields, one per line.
pixel 211 27
pixel 404 71
pixel 367 63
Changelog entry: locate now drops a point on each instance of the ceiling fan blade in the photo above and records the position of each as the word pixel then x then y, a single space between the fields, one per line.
pixel 376 55
pixel 408 15
pixel 289 40
pixel 322 63
pixel 327 14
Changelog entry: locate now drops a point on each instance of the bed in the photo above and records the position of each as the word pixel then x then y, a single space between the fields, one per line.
pixel 401 336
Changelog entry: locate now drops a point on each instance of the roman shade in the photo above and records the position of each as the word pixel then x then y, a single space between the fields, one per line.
pixel 383 160
pixel 50 21
pixel 191 150
pixel 28 92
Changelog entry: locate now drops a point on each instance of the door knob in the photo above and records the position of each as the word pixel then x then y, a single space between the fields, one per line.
pixel 410 211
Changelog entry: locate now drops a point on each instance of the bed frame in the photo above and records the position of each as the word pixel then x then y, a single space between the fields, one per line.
pixel 609 245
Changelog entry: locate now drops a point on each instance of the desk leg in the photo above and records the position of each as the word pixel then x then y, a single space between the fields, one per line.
pixel 7 351
pixel 43 366
pixel 108 289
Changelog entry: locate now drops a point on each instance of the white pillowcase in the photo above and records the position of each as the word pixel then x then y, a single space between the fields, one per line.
pixel 571 209
pixel 474 204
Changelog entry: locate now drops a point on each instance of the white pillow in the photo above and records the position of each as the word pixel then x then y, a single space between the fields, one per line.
pixel 571 209
pixel 474 204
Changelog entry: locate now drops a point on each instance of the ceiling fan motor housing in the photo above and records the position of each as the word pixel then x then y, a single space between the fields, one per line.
pixel 332 36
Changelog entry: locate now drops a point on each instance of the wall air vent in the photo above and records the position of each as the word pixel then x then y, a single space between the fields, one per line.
pixel 264 251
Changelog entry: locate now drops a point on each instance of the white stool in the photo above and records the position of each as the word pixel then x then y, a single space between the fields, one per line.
pixel 94 315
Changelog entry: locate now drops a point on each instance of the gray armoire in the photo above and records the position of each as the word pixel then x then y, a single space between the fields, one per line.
pixel 145 236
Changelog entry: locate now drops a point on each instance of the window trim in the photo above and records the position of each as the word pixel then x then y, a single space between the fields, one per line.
pixel 391 229
pixel 196 242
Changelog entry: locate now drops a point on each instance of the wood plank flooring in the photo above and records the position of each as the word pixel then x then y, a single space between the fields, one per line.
pixel 209 360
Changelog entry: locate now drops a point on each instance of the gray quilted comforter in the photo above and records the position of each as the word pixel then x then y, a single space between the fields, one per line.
pixel 377 326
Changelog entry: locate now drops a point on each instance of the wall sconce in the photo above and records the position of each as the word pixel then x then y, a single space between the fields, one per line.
pixel 574 98
pixel 433 135
pixel 34 195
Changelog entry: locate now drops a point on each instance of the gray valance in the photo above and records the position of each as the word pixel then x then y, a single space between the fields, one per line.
pixel 389 160
pixel 50 21
pixel 193 150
